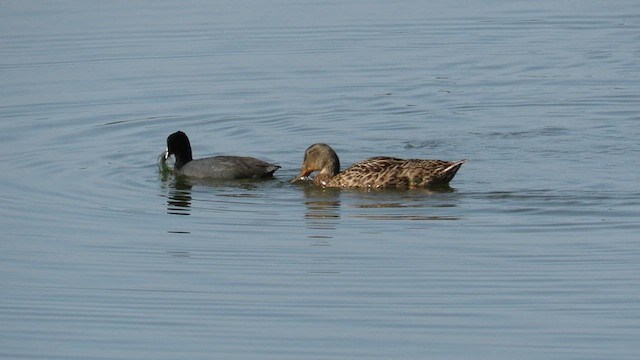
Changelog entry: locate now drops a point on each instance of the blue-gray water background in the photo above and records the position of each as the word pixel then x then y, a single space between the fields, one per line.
pixel 533 255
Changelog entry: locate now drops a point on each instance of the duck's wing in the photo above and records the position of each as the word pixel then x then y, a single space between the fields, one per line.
pixel 390 172
pixel 426 173
pixel 376 172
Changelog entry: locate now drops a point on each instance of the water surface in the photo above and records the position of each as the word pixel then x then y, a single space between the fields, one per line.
pixel 532 254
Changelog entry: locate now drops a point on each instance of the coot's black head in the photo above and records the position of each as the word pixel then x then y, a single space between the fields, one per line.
pixel 178 145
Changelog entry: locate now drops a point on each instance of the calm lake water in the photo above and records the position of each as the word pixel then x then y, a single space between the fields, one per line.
pixel 534 254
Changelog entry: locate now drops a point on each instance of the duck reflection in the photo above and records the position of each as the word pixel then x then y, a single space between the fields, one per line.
pixel 418 204
pixel 323 211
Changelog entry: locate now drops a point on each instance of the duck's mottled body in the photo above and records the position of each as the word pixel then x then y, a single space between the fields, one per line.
pixel 377 172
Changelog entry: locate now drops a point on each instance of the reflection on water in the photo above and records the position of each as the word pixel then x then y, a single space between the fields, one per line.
pixel 324 206
pixel 406 217
pixel 322 211
pixel 418 204
pixel 542 257
pixel 179 195
pixel 179 198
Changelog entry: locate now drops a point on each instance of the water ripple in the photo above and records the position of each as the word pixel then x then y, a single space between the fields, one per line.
pixel 532 253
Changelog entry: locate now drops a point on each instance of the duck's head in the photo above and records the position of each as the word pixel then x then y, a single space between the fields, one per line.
pixel 178 144
pixel 319 157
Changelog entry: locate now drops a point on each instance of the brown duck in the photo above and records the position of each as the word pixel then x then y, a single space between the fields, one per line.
pixel 378 172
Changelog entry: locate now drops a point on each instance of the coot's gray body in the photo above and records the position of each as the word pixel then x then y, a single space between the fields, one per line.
pixel 217 167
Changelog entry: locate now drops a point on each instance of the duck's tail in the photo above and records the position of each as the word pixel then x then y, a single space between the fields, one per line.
pixel 449 172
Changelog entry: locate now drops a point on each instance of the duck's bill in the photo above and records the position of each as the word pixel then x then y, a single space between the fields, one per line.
pixel 296 179
pixel 303 176
pixel 165 155
pixel 300 178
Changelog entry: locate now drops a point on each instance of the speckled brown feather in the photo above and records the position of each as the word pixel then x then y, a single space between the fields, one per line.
pixel 389 172
pixel 378 172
